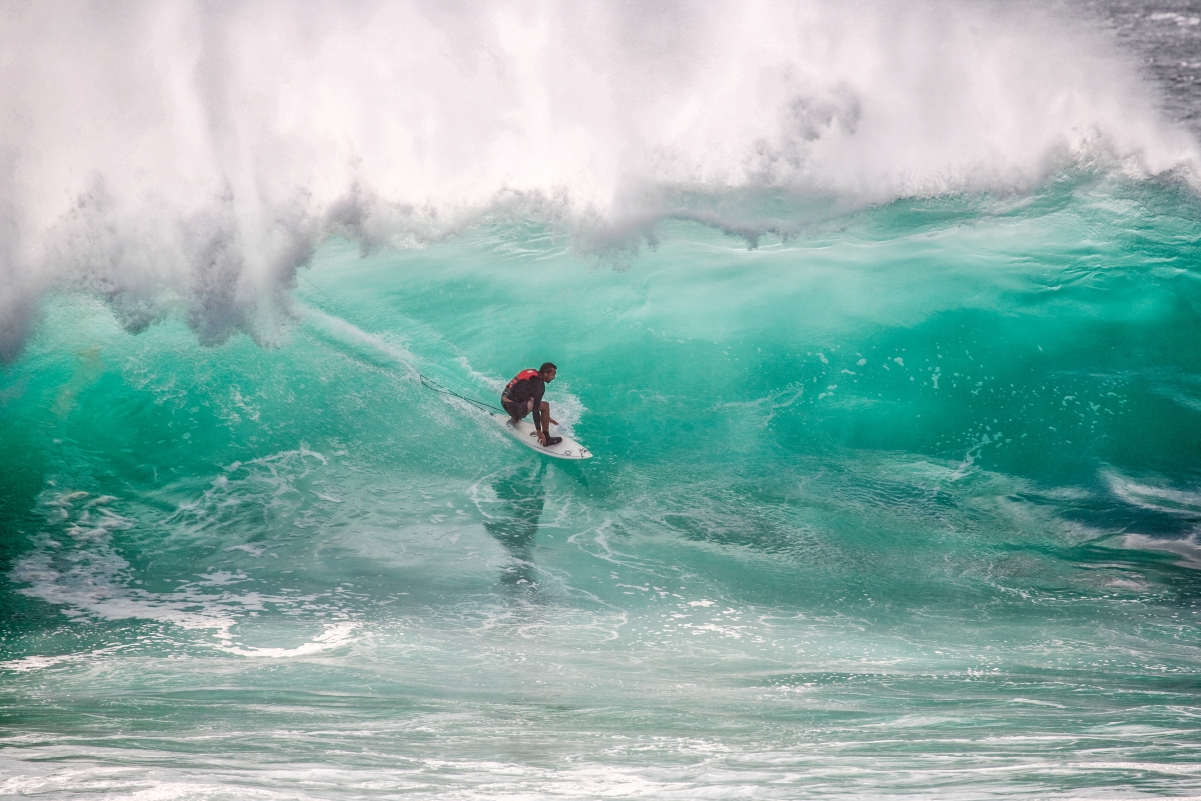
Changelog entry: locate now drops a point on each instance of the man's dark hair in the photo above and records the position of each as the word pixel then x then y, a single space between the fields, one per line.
pixel 547 366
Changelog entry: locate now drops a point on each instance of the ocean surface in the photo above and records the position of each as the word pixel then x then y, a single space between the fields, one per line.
pixel 883 324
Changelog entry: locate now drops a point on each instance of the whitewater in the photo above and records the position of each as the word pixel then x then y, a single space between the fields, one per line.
pixel 882 322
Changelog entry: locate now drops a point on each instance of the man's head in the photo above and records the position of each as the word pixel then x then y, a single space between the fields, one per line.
pixel 547 371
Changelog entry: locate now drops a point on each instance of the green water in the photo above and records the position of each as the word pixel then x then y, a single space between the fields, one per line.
pixel 904 504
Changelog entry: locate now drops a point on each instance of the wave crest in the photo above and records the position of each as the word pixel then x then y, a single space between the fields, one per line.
pixel 193 155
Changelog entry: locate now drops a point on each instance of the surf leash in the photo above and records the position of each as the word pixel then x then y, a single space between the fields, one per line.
pixel 430 383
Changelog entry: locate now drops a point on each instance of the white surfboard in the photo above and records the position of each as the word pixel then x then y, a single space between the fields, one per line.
pixel 524 432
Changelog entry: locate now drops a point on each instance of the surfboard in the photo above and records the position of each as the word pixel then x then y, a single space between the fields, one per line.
pixel 524 432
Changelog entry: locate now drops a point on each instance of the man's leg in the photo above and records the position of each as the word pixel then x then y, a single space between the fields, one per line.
pixel 517 411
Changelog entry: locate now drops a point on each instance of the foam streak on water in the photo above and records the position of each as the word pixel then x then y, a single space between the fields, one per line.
pixel 882 325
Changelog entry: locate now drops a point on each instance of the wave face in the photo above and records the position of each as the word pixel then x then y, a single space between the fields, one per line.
pixel 882 325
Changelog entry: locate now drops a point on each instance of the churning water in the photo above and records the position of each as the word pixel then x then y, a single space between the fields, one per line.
pixel 882 320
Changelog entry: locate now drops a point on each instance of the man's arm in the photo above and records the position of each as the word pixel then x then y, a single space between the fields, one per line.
pixel 539 391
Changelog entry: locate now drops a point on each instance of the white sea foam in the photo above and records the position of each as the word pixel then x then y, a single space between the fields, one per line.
pixel 193 154
pixel 335 635
pixel 1188 548
pixel 76 565
pixel 1154 497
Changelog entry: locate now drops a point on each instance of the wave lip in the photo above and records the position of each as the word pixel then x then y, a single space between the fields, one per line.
pixel 178 156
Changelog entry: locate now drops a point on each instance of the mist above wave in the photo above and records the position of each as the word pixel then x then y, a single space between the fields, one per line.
pixel 192 155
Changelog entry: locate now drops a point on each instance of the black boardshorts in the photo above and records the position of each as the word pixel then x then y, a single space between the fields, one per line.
pixel 518 411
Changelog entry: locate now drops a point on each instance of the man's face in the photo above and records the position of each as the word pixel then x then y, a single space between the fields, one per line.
pixel 549 375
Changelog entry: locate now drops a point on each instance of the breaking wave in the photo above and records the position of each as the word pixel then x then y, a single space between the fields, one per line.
pixel 191 156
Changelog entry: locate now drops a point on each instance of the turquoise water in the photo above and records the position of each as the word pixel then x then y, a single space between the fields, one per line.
pixel 881 320
pixel 904 504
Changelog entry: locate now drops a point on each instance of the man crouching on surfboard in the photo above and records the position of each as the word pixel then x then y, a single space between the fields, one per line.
pixel 523 395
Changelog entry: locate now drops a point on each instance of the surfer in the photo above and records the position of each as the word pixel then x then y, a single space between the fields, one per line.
pixel 523 395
